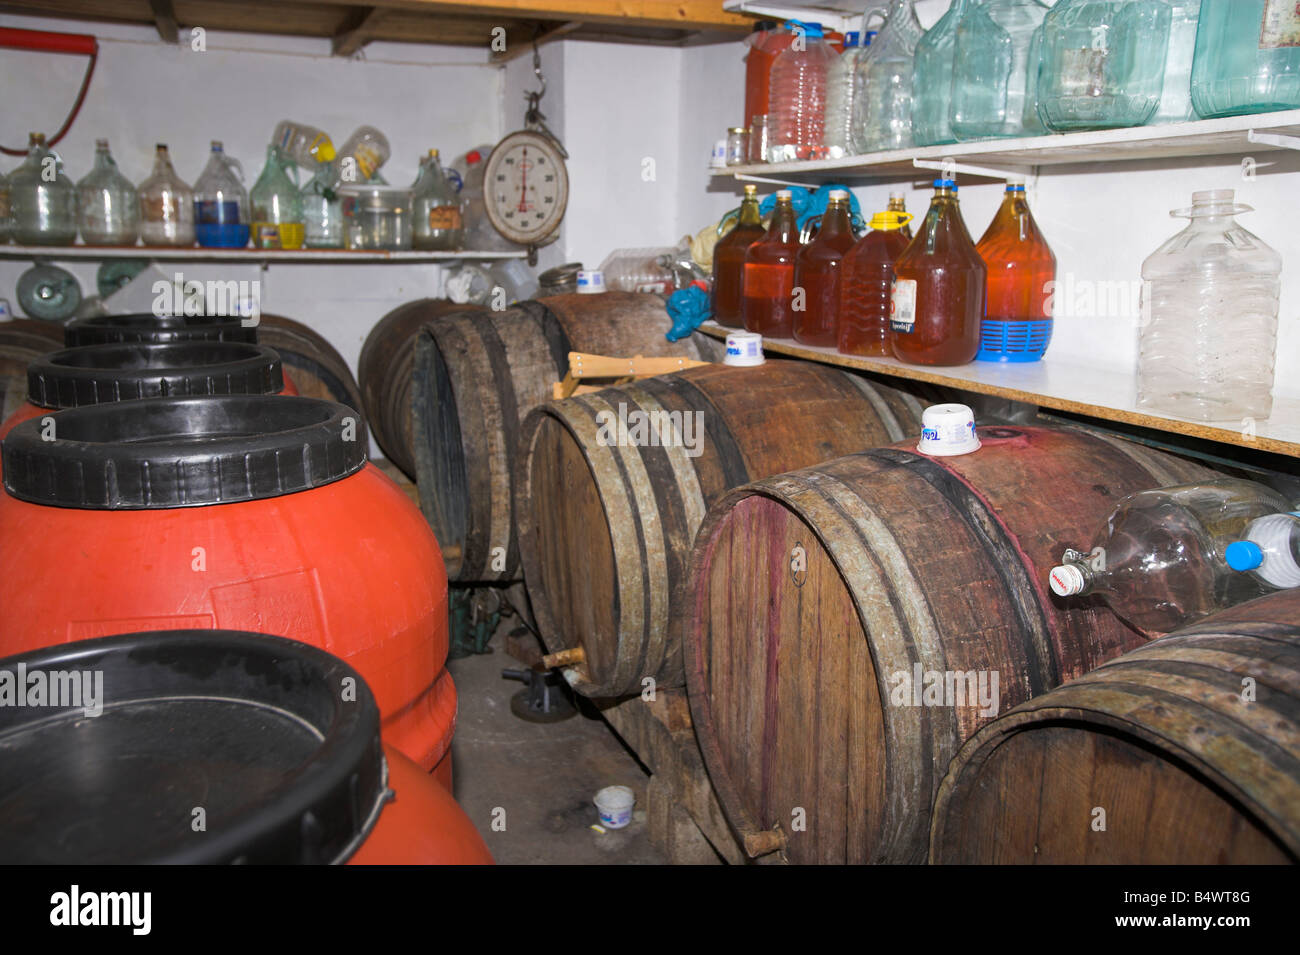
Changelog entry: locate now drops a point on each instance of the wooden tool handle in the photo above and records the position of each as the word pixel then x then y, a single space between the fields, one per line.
pixel 565 658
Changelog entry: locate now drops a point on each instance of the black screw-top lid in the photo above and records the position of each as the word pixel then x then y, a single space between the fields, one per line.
pixel 182 452
pixel 94 374
pixel 155 330
pixel 259 732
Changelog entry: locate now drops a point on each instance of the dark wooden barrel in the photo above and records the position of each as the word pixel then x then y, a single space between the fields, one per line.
pixel 385 373
pixel 605 530
pixel 815 595
pixel 1186 750
pixel 22 340
pixel 317 369
pixel 476 375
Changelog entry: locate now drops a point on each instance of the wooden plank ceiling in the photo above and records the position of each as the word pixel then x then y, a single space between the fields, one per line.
pixel 351 25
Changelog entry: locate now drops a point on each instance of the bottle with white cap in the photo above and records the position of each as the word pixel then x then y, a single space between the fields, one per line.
pixel 1270 550
pixel 1162 560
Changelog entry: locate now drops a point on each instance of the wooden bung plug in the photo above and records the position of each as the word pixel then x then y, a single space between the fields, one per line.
pixel 565 658
pixel 761 843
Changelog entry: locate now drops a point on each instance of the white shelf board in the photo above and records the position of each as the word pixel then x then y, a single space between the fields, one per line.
pixel 1205 137
pixel 1108 394
pixel 64 252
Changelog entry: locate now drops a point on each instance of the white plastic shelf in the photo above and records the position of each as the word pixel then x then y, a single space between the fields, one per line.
pixel 252 256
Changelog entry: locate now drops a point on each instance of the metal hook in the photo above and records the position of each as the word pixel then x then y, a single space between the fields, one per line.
pixel 534 98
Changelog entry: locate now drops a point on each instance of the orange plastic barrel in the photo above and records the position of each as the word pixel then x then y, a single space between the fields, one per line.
pixel 215 747
pixel 240 512
pixel 94 374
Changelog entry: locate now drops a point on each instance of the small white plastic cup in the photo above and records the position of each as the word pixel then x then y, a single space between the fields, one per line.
pixel 719 158
pixel 591 282
pixel 948 430
pixel 614 805
pixel 744 349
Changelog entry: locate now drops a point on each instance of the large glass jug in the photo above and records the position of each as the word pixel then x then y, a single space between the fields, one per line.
pixel 42 199
pixel 435 208
pixel 220 203
pixel 932 79
pixel 1103 63
pixel 166 205
pixel 991 78
pixel 108 209
pixel 1176 100
pixel 277 207
pixel 1247 57
pixel 883 110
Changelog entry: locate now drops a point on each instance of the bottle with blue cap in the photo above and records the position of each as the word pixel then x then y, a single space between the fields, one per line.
pixel 797 95
pixel 1169 556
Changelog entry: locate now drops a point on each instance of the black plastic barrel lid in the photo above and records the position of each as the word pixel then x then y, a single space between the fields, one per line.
pixel 155 330
pixel 251 729
pixel 182 452
pixel 94 374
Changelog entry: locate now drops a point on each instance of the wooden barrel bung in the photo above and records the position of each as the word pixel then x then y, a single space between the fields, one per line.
pixel 476 376
pixel 1184 751
pixel 828 607
pixel 606 518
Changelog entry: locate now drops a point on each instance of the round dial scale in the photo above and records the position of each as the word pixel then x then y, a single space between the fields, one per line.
pixel 526 188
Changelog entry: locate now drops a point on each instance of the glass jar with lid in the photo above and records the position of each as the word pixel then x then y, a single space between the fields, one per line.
pixel 376 217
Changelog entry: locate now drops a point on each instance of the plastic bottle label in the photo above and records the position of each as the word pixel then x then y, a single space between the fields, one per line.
pixel 1281 25
pixel 902 306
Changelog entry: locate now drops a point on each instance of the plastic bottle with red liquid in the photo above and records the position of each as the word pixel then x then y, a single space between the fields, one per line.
pixel 768 283
pixel 866 284
pixel 765 42
pixel 1017 323
pixel 796 112
pixel 938 297
pixel 729 261
pixel 817 271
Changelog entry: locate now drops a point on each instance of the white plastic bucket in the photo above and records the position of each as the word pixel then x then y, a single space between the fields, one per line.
pixel 614 804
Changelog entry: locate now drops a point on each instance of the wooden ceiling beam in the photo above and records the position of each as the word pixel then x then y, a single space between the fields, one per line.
pixel 679 14
pixel 164 18
pixel 359 31
pixel 518 45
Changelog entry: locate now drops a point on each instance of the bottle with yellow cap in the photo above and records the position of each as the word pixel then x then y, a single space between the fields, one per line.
pixel 729 262
pixel 865 286
pixel 302 144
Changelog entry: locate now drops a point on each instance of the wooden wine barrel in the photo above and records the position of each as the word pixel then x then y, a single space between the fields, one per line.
pixel 605 529
pixel 476 375
pixel 22 340
pixel 384 372
pixel 815 596
pixel 1186 751
pixel 317 369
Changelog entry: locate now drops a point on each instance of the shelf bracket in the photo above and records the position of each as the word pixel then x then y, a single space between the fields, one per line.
pixel 952 167
pixel 769 181
pixel 1273 139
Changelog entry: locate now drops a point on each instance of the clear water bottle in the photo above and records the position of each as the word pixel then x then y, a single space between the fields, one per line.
pixel 883 110
pixel 360 157
pixel 166 205
pixel 304 145
pixel 277 221
pixel 842 89
pixel 1103 63
pixel 1160 561
pixel 108 209
pixel 797 95
pixel 220 203
pixel 1176 100
pixel 1247 57
pixel 42 199
pixel 932 79
pixel 991 88
pixel 1209 320
pixel 435 208
pixel 1269 550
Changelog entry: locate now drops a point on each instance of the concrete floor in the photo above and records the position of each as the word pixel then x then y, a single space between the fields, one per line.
pixel 542 775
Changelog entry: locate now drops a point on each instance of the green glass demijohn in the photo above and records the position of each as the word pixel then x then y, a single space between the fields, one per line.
pixel 1247 57
pixel 992 91
pixel 932 79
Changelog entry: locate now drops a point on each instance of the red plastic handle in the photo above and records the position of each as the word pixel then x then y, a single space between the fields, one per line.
pixel 77 43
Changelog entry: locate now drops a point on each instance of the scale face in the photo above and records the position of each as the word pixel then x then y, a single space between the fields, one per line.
pixel 526 188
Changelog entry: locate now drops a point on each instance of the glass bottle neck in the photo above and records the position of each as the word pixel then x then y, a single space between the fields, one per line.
pixel 783 226
pixel 749 214
pixel 836 220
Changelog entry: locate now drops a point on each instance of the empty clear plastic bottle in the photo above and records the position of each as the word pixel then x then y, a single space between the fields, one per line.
pixel 1160 560
pixel 1209 320
pixel 883 110
pixel 1176 100
pixel 991 89
pixel 360 156
pixel 1269 550
pixel 277 221
pixel 42 199
pixel 1103 63
pixel 220 203
pixel 797 95
pixel 166 205
pixel 842 90
pixel 108 209
pixel 435 208
pixel 1247 57
pixel 932 79
pixel 301 144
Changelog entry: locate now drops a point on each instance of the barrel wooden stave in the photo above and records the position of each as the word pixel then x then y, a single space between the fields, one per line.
pixel 1186 770
pixel 475 378
pixel 647 501
pixel 316 367
pixel 944 562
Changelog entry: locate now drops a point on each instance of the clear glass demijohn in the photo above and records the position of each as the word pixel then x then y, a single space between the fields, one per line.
pixel 42 199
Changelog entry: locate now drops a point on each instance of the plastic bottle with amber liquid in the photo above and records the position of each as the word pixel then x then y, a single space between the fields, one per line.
pixel 729 261
pixel 768 282
pixel 898 203
pixel 866 284
pixel 938 296
pixel 1017 323
pixel 817 271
